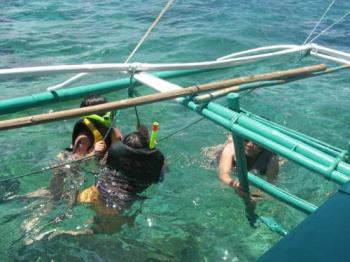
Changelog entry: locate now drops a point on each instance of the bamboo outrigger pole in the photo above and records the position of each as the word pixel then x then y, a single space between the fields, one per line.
pixel 49 117
pixel 234 89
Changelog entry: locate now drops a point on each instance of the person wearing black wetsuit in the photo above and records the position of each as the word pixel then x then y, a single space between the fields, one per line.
pixel 131 168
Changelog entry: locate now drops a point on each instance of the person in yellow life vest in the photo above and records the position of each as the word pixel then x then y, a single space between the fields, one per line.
pixel 92 135
pixel 94 132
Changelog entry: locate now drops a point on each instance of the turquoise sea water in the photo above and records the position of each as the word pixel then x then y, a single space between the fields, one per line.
pixel 191 216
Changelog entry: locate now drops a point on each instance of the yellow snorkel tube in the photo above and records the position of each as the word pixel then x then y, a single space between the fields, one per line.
pixel 153 139
pixel 105 120
pixel 96 133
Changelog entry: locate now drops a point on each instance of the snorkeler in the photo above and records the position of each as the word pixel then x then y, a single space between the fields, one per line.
pixel 92 136
pixel 131 167
pixel 128 167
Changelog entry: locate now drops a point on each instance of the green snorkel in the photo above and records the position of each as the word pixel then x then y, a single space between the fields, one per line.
pixel 153 139
pixel 105 120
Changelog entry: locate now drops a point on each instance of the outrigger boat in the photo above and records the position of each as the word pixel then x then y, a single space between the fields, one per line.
pixel 316 238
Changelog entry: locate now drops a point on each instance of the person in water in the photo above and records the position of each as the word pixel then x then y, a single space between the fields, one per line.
pixel 92 135
pixel 131 167
pixel 259 161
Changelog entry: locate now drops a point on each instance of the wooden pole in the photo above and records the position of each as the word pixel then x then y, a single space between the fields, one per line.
pixel 49 117
pixel 222 92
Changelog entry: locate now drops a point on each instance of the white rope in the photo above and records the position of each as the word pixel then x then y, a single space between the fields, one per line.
pixel 257 50
pixel 329 27
pixel 78 76
pixel 319 22
pixel 166 7
pixel 67 82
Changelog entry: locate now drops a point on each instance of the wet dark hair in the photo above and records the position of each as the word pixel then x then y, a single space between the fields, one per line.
pixel 92 100
pixel 142 129
pixel 136 140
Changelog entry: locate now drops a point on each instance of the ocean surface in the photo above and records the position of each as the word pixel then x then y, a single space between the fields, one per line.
pixel 191 215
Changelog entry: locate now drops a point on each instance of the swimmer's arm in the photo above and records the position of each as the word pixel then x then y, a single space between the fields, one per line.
pixel 272 169
pixel 225 164
pixel 117 134
pixel 98 153
pixel 225 168
pixel 100 147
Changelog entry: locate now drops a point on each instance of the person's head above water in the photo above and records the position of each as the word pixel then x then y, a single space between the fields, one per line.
pixel 136 140
pixel 134 159
pixel 251 149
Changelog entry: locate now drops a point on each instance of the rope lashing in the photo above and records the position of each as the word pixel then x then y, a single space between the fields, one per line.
pixel 336 162
pixel 131 82
pixel 235 118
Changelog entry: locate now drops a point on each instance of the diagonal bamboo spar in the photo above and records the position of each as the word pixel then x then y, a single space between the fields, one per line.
pixel 49 117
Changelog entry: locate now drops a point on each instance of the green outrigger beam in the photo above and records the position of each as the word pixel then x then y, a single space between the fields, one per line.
pixel 66 94
pixel 328 149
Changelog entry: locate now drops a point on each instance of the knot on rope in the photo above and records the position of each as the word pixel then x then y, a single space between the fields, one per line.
pixel 333 166
pixel 200 107
pixel 133 67
pixel 235 118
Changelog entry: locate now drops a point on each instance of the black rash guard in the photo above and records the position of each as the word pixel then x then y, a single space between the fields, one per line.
pixel 129 171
